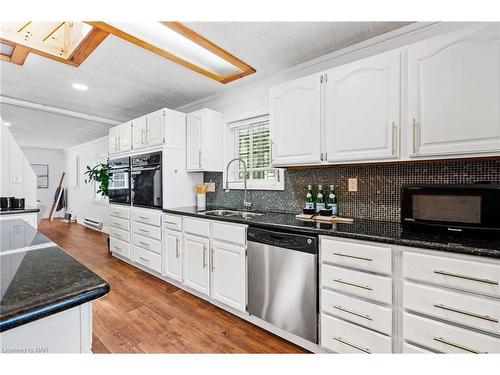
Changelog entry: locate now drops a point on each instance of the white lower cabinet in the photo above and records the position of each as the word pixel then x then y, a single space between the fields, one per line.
pixel 228 265
pixel 147 258
pixel 195 263
pixel 119 247
pixel 172 254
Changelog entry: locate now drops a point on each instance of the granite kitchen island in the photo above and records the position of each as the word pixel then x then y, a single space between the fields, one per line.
pixel 45 294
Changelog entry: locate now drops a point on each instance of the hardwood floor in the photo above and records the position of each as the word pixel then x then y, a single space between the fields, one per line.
pixel 143 314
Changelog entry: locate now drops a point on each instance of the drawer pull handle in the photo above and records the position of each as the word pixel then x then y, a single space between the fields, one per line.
pixel 459 276
pixel 353 256
pixel 117 224
pixel 177 248
pixel 341 340
pixel 144 259
pixel 204 256
pixel 474 315
pixel 459 346
pixel 144 230
pixel 144 243
pixel 352 284
pixel 117 248
pixel 144 218
pixel 367 317
pixel 170 222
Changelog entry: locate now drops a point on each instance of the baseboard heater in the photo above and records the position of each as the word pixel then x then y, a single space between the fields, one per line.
pixel 92 223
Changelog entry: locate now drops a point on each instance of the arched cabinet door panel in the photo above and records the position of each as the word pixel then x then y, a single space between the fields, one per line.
pixel 454 93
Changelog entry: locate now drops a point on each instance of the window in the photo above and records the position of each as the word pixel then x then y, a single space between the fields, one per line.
pixel 252 144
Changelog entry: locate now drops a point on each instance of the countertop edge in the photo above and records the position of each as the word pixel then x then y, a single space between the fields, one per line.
pixel 23 211
pixel 459 249
pixel 53 307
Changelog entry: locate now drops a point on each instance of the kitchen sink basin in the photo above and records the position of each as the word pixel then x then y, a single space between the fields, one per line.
pixel 231 213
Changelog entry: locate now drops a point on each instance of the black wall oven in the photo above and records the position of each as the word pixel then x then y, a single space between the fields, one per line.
pixel 147 180
pixel 119 181
pixel 468 209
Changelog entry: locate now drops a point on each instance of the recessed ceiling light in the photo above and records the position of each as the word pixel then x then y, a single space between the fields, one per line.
pixel 7 123
pixel 80 86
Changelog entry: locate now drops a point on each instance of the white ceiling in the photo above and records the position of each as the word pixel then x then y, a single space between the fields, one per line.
pixel 126 81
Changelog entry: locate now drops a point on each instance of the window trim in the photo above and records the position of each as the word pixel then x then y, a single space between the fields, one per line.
pixel 231 125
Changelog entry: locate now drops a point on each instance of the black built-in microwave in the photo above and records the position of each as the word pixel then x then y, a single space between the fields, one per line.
pixel 472 209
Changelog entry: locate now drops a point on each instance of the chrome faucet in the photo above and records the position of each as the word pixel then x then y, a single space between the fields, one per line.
pixel 246 203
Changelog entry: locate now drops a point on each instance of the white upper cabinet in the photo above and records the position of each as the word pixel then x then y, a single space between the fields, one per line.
pixel 139 133
pixel 295 121
pixel 155 125
pixel 125 131
pixel 454 93
pixel 205 133
pixel 114 139
pixel 361 109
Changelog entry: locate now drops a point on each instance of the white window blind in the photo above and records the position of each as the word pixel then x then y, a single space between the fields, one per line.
pixel 253 145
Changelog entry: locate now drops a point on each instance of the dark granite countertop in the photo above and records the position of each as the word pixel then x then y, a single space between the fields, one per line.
pixel 369 230
pixel 39 279
pixel 25 210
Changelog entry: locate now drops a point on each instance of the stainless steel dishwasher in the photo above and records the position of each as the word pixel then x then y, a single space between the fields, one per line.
pixel 283 280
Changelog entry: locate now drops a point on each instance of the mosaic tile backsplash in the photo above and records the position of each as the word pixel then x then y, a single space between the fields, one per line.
pixel 378 192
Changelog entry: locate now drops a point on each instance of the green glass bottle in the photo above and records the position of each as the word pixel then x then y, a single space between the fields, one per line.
pixel 309 198
pixel 331 201
pixel 320 199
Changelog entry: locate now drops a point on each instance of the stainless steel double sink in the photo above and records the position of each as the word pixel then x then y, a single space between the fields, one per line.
pixel 232 213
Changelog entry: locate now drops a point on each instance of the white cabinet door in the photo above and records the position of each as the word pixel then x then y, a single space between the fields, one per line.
pixel 139 128
pixel 195 262
pixel 228 274
pixel 114 138
pixel 295 121
pixel 155 127
pixel 172 256
pixel 194 142
pixel 125 135
pixel 361 109
pixel 454 93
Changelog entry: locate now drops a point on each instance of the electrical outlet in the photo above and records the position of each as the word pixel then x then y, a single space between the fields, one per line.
pixel 353 184
pixel 210 186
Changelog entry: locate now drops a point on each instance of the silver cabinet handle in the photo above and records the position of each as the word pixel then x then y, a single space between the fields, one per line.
pixel 143 217
pixel 212 254
pixel 364 316
pixel 144 231
pixel 353 256
pixel 170 222
pixel 117 248
pixel 143 243
pixel 393 130
pixel 199 157
pixel 204 255
pixel 144 259
pixel 341 340
pixel 414 138
pixel 117 224
pixel 326 156
pixel 465 277
pixel 456 345
pixel 321 156
pixel 177 248
pixel 352 284
pixel 463 312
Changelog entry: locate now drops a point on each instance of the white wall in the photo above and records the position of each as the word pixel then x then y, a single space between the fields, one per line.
pixel 16 175
pixel 55 160
pixel 80 192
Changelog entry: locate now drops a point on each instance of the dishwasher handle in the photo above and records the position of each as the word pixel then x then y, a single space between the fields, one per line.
pixel 297 242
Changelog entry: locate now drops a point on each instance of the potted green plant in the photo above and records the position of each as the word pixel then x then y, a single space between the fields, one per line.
pixel 99 174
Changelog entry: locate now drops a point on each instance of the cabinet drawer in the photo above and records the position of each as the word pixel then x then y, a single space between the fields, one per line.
pixel 378 288
pixel 446 338
pixel 198 227
pixel 343 337
pixel 412 349
pixel 461 308
pixel 457 273
pixel 357 255
pixel 145 217
pixel 147 258
pixel 146 243
pixel 230 233
pixel 120 223
pixel 147 230
pixel 120 212
pixel 119 234
pixel 119 247
pixel 172 222
pixel 361 312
